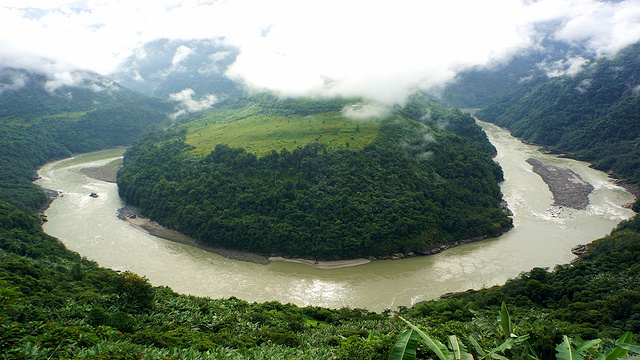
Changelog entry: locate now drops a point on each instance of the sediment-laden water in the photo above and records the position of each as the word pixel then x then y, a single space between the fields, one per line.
pixel 542 237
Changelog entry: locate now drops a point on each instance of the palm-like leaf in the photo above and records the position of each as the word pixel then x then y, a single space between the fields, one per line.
pixel 505 321
pixel 629 347
pixel 405 347
pixel 436 346
pixel 458 348
pixel 565 351
pixel 485 326
pixel 481 353
pixel 590 349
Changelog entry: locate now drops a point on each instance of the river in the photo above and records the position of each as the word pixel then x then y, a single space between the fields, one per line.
pixel 542 237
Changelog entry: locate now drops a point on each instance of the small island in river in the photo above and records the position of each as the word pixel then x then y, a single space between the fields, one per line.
pixel 567 187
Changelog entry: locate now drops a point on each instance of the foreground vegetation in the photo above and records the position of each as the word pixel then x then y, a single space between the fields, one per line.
pixel 55 304
pixel 427 179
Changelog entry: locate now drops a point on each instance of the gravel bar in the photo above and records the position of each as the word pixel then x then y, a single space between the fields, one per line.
pixel 567 187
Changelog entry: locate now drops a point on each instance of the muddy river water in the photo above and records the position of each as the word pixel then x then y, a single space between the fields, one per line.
pixel 542 237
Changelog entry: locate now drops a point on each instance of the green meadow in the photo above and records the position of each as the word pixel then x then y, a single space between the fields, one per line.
pixel 261 133
pixel 75 116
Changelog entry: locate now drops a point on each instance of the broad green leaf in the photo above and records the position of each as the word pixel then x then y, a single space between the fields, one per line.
pixel 436 346
pixel 588 346
pixel 612 354
pixel 485 326
pixel 507 344
pixel 626 339
pixel 405 347
pixel 499 357
pixel 479 349
pixel 618 351
pixel 565 351
pixel 590 350
pixel 629 347
pixel 458 348
pixel 505 321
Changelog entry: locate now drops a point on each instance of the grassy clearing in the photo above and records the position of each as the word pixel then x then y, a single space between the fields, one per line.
pixel 76 116
pixel 69 115
pixel 261 133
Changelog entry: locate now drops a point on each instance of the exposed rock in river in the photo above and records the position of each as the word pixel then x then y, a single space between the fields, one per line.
pixel 567 187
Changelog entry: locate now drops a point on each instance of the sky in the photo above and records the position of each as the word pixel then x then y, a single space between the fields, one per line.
pixel 381 50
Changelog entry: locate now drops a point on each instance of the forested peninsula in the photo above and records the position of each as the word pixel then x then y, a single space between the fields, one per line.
pixel 426 180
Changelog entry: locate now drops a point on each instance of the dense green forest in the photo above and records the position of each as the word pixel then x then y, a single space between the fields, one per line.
pixel 593 115
pixel 423 182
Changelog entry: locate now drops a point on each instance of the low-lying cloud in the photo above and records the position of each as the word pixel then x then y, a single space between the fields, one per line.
pixel 188 104
pixel 378 50
pixel 366 111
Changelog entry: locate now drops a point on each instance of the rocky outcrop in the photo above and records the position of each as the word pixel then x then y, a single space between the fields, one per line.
pixel 579 249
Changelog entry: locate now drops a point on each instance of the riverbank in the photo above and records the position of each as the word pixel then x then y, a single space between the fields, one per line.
pixel 132 217
pixel 320 264
pixel 567 187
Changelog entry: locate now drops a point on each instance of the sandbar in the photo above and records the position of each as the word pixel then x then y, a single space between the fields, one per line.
pixel 567 187
pixel 325 265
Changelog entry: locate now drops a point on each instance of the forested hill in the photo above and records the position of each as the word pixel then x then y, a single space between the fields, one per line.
pixel 41 121
pixel 593 115
pixel 426 179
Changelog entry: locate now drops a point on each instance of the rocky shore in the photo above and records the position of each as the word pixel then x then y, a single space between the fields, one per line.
pixel 51 195
pixel 567 187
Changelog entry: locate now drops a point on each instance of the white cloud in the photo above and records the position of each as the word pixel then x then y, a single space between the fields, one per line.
pixel 181 54
pixel 570 66
pixel 15 82
pixel 377 49
pixel 188 104
pixel 366 111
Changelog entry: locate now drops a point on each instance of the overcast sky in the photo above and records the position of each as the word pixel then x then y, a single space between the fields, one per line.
pixel 379 49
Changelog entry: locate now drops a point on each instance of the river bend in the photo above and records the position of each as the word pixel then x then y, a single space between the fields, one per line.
pixel 542 237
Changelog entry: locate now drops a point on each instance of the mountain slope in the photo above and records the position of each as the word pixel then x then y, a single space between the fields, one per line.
pixel 42 120
pixel 163 67
pixel 594 115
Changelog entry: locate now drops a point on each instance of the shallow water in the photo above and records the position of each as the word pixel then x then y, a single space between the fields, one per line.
pixel 542 237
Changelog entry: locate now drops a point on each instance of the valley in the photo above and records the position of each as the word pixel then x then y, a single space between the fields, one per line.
pixel 248 180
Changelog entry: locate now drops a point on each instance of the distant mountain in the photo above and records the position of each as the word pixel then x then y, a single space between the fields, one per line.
pixel 163 67
pixel 45 117
pixel 594 114
pixel 28 94
pixel 481 86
